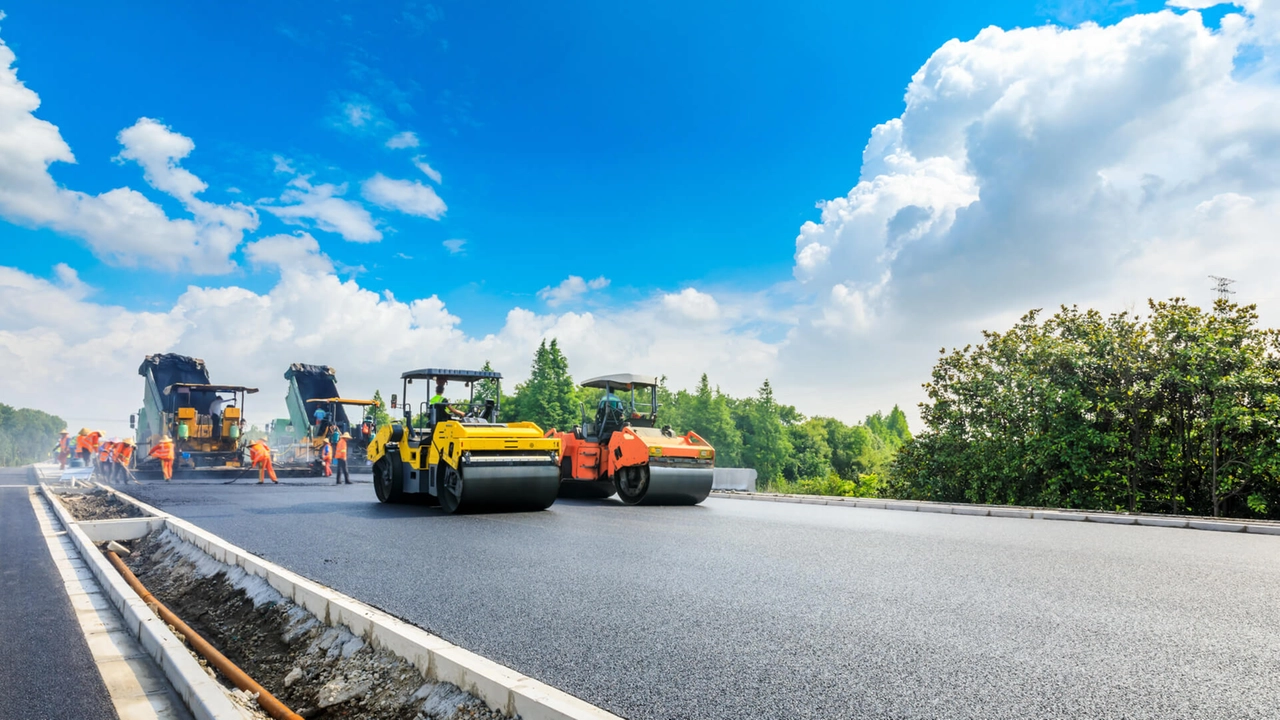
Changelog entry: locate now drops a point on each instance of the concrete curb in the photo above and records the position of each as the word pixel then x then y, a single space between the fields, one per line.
pixel 203 696
pixel 1171 521
pixel 500 687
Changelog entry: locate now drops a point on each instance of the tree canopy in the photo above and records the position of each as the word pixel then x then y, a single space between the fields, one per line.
pixel 27 435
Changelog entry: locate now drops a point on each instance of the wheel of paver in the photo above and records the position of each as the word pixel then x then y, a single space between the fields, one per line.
pixel 450 488
pixel 387 482
pixel 632 484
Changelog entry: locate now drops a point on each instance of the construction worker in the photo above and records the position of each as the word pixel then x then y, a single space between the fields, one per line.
pixel 123 456
pixel 340 454
pixel 82 446
pixel 106 449
pixel 64 449
pixel 164 451
pixel 260 457
pixel 439 399
pixel 326 456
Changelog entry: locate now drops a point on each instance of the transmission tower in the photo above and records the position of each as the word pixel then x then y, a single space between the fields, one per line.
pixel 1223 287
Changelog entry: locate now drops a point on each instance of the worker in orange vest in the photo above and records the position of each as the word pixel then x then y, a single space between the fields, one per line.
pixel 103 456
pixel 164 451
pixel 340 454
pixel 123 456
pixel 82 446
pixel 260 457
pixel 326 456
pixel 63 449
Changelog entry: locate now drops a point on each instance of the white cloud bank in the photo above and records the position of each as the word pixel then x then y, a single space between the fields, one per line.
pixel 1029 168
pixel 122 225
pixel 572 288
pixel 407 196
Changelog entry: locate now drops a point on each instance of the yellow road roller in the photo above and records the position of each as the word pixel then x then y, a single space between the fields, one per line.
pixel 454 452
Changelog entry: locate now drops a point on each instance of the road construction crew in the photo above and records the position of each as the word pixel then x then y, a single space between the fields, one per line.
pixel 260 457
pixel 124 456
pixel 340 454
pixel 326 456
pixel 64 449
pixel 106 449
pixel 164 451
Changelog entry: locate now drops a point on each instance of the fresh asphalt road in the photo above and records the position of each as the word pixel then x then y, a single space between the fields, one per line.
pixel 738 609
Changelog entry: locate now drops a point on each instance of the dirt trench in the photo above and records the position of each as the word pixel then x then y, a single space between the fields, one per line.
pixel 317 670
pixel 99 505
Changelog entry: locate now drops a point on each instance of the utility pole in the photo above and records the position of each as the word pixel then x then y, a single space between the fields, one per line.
pixel 1223 288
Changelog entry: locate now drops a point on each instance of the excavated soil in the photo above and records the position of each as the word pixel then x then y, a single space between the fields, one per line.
pixel 317 670
pixel 99 505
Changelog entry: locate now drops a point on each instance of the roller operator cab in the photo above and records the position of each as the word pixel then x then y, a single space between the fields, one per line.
pixel 622 449
pixel 454 452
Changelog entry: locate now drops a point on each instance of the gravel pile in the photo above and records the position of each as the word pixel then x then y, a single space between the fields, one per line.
pixel 99 505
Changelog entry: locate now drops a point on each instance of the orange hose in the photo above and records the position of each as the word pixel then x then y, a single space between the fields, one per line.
pixel 266 700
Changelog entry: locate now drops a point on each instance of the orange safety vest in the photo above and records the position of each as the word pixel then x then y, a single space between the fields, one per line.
pixel 104 451
pixel 82 442
pixel 340 452
pixel 259 452
pixel 94 439
pixel 326 452
pixel 65 443
pixel 164 450
pixel 124 453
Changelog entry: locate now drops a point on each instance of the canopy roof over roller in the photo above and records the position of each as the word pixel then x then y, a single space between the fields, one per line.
pixel 621 381
pixel 444 374
pixel 343 401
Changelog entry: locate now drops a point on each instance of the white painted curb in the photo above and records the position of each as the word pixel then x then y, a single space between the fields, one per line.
pixel 500 687
pixel 1173 521
pixel 203 696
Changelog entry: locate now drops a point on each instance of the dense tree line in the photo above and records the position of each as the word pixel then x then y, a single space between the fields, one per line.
pixel 27 435
pixel 789 451
pixel 1176 412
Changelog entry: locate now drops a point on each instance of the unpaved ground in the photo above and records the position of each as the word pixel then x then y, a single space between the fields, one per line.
pixel 99 505
pixel 318 671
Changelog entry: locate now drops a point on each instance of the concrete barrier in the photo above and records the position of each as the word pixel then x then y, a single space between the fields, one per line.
pixel 1003 511
pixel 743 479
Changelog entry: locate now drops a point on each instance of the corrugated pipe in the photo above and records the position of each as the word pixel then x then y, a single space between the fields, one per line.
pixel 266 700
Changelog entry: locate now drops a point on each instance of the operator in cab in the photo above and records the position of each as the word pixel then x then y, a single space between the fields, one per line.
pixel 439 399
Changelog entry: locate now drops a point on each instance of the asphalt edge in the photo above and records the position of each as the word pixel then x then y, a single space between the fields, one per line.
pixel 1170 521
pixel 497 685
pixel 203 696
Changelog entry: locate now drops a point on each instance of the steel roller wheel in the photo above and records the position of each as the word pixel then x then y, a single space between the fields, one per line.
pixel 632 484
pixel 450 488
pixel 386 483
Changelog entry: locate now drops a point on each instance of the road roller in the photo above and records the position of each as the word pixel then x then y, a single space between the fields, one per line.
pixel 623 450
pixel 453 452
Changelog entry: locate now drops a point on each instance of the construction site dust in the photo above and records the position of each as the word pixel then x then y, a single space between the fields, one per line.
pixel 99 505
pixel 317 670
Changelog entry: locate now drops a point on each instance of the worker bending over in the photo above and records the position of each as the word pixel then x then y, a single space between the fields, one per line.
pixel 164 452
pixel 260 457
pixel 326 456
pixel 106 450
pixel 340 454
pixel 120 462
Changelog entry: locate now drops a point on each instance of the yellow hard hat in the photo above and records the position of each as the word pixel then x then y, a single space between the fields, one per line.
pixel 346 436
pixel 66 432
pixel 166 438
pixel 83 431
pixel 129 441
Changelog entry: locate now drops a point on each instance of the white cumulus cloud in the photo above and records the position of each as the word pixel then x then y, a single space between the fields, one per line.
pixel 407 196
pixel 289 253
pixel 400 140
pixel 427 170
pixel 571 288
pixel 122 225
pixel 454 245
pixel 323 207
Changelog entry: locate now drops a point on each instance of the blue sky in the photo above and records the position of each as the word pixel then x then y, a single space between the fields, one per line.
pixel 694 139
pixel 822 194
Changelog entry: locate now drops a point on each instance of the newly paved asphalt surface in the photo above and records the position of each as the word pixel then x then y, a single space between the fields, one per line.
pixel 740 609
pixel 46 671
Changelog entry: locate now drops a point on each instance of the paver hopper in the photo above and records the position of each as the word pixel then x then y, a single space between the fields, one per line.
pixel 458 455
pixel 623 450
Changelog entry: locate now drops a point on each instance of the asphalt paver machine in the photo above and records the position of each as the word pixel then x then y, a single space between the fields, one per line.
pixel 622 449
pixel 204 420
pixel 456 453
pixel 315 387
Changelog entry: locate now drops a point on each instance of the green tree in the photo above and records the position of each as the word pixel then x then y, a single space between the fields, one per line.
pixel 27 435
pixel 549 397
pixel 765 444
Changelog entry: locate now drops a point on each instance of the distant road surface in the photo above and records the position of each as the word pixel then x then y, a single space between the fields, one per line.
pixel 765 610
